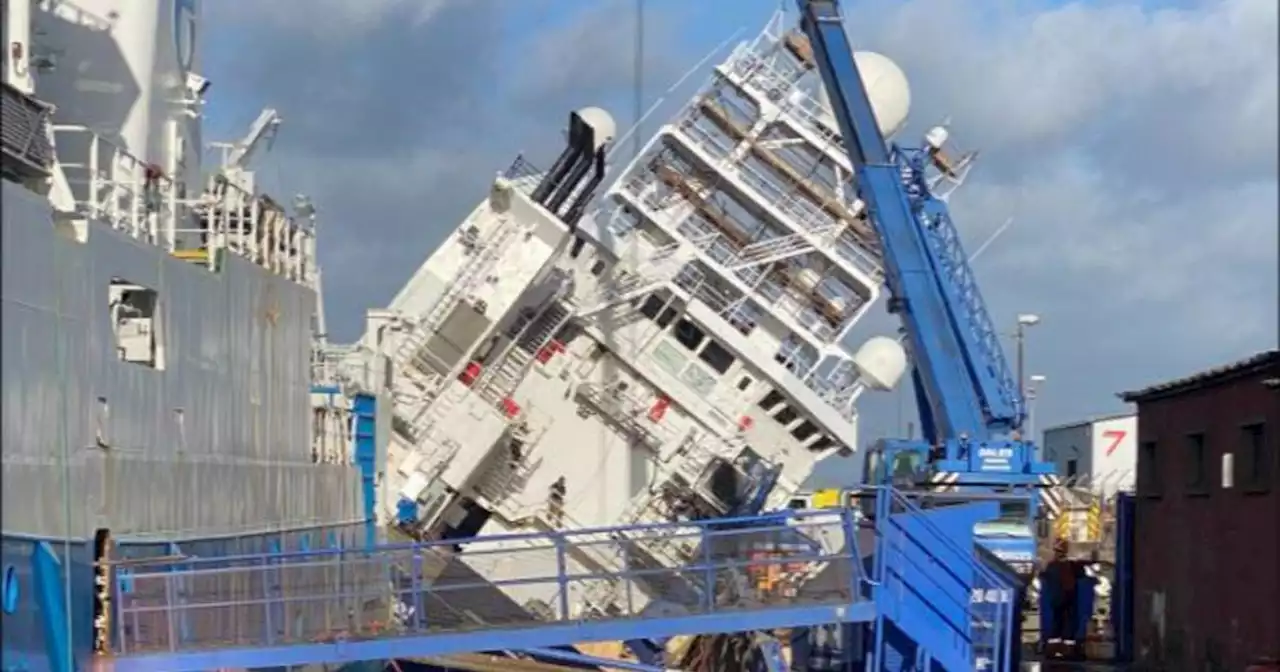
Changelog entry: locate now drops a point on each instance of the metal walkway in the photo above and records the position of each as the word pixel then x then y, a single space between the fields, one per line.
pixel 281 609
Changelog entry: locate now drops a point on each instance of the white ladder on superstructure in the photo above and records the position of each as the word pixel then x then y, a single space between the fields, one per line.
pixel 501 380
pixel 488 252
pixel 781 247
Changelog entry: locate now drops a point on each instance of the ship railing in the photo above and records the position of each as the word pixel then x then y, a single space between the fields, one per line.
pixel 523 174
pixel 787 202
pixel 810 217
pixel 141 201
pixel 783 201
pixel 762 79
pixel 118 188
pixel 288 598
pixel 656 269
pixel 627 411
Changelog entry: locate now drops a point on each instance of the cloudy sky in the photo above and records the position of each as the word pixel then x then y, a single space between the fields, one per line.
pixel 1134 144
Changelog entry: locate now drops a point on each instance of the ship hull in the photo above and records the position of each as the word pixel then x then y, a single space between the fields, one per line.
pixel 206 451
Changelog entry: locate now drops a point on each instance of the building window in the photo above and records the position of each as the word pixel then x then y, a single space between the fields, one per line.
pixel 1073 468
pixel 716 357
pixel 1150 476
pixel 688 334
pixel 597 269
pixel 1256 457
pixel 1197 464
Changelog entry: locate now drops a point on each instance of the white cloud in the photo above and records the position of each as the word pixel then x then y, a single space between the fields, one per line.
pixel 1136 148
pixel 343 20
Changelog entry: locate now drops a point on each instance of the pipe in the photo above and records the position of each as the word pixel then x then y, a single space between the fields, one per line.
pixel 570 182
pixel 580 203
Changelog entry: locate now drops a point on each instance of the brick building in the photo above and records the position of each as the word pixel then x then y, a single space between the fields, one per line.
pixel 1207 557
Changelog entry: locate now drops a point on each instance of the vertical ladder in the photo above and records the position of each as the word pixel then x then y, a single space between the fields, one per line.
pixel 488 252
pixel 501 380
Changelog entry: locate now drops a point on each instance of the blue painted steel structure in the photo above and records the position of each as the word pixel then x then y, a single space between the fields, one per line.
pixel 969 402
pixel 270 610
pixel 364 414
pixel 970 405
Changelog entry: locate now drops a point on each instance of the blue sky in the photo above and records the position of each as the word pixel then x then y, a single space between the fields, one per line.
pixel 1134 144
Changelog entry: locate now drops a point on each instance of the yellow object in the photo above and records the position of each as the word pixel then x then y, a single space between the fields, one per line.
pixel 1093 522
pixel 1062 526
pixel 192 255
pixel 826 499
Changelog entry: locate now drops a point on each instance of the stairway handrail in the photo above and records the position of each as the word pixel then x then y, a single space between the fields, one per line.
pixel 1002 619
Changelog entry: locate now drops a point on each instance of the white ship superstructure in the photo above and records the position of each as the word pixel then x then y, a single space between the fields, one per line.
pixel 674 348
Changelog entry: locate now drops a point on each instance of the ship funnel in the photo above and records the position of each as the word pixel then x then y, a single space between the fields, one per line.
pixel 591 131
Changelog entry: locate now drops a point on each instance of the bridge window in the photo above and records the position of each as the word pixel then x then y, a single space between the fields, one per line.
pixel 716 356
pixel 773 398
pixel 786 416
pixel 688 334
pixel 822 443
pixel 804 430
pixel 744 383
pixel 656 307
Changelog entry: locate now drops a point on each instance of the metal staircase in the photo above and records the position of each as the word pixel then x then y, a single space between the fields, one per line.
pixel 781 247
pixel 487 254
pixel 652 272
pixel 528 337
pixel 936 599
pixel 917 598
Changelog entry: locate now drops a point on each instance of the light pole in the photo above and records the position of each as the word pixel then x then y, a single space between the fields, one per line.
pixel 1020 335
pixel 1036 380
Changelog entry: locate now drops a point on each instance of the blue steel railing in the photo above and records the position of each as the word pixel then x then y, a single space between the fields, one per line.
pixel 974 605
pixel 270 600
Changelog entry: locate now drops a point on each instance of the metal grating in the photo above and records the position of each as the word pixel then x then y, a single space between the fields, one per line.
pixel 24 134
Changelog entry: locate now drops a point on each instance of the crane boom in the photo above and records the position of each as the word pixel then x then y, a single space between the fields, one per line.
pixel 969 403
pixel 965 377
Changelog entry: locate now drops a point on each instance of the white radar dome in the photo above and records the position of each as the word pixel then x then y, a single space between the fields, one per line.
pixel 881 362
pixel 601 122
pixel 887 88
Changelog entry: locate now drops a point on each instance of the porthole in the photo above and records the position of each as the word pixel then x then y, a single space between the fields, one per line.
pixel 10 589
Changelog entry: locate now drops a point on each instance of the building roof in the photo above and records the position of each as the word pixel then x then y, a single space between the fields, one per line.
pixel 1261 362
pixel 1091 420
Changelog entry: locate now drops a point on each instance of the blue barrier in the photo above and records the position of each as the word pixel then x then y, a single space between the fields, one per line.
pixel 282 608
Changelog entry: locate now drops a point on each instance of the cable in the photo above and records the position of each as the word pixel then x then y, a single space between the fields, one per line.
pixel 638 80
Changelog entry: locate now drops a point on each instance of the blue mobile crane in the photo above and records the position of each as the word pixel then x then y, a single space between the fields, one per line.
pixel 971 409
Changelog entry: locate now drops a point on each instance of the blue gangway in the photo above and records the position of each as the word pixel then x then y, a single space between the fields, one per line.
pixel 429 599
